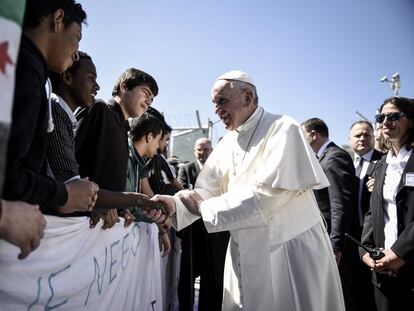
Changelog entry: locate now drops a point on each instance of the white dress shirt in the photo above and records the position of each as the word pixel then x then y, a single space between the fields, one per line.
pixel 366 158
pixel 396 165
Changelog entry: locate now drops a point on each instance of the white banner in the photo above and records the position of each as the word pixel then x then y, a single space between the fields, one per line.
pixel 78 268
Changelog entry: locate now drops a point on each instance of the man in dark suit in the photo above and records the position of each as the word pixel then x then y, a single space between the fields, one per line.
pixel 361 140
pixel 202 254
pixel 337 202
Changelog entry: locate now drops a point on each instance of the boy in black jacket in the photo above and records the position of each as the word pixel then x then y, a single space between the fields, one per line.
pixel 51 34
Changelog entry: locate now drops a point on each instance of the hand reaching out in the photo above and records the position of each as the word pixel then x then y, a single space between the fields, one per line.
pixel 82 196
pixel 168 204
pixel 191 200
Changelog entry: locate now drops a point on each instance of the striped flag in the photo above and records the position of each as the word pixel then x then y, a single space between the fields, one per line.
pixel 11 18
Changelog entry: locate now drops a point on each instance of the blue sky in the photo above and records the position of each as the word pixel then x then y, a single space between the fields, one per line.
pixel 309 58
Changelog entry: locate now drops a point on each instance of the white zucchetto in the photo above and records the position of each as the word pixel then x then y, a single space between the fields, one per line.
pixel 238 76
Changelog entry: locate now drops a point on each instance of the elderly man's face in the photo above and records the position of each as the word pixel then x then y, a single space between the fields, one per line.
pixel 202 150
pixel 231 104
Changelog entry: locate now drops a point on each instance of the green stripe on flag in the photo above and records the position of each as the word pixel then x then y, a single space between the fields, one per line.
pixel 13 10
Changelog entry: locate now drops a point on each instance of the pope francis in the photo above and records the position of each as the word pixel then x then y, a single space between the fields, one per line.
pixel 258 184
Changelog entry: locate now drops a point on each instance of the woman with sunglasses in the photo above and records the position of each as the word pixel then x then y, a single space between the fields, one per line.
pixel 389 224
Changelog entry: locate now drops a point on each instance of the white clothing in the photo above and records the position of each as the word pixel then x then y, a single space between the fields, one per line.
pixel 365 161
pixel 200 165
pixel 396 166
pixel 65 107
pixel 257 183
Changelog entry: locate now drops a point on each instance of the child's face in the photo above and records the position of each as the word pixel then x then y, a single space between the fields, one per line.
pixel 153 144
pixel 66 44
pixel 84 86
pixel 164 141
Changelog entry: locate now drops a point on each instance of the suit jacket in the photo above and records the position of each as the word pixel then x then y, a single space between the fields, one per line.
pixel 365 194
pixel 373 232
pixel 338 201
pixel 187 175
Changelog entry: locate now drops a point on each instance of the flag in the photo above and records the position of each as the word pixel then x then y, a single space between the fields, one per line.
pixel 11 18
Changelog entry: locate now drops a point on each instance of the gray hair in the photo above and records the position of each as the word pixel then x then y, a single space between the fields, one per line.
pixel 244 86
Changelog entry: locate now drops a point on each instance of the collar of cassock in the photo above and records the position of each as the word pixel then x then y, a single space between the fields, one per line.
pixel 251 122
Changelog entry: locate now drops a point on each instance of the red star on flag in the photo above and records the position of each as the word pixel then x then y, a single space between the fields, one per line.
pixel 4 57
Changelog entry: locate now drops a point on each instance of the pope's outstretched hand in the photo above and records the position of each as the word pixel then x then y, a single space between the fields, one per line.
pixel 167 201
pixel 191 200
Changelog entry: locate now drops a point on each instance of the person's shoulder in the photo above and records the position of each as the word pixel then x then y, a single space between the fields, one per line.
pixel 282 123
pixel 378 155
pixel 337 154
pixel 99 105
pixel 333 148
pixel 280 119
pixel 186 166
pixel 98 110
pixel 29 59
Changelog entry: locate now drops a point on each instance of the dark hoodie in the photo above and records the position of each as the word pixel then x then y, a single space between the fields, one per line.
pixel 26 178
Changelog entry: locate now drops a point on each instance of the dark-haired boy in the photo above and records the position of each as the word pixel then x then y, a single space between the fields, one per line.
pixel 162 179
pixel 101 138
pixel 51 34
pixel 77 87
pixel 144 139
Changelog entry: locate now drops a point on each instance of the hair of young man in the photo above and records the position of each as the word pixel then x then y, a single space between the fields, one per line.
pixel 244 86
pixel 317 125
pixel 369 124
pixel 166 129
pixel 143 126
pixel 37 10
pixel 56 78
pixel 134 77
pixel 406 106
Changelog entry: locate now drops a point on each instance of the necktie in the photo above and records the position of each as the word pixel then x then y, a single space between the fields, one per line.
pixel 359 163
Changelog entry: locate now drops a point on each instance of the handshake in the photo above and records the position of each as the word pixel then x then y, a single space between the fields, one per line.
pixel 158 208
pixel 166 204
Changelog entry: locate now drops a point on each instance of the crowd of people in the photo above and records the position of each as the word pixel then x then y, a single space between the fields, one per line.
pixel 262 219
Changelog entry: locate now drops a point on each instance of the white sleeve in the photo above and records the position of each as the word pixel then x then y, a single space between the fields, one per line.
pixel 182 217
pixel 244 207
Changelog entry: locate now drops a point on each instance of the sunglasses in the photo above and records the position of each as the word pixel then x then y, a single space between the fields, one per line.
pixel 392 117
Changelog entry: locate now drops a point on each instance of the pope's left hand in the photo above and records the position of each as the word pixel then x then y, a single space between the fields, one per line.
pixel 191 200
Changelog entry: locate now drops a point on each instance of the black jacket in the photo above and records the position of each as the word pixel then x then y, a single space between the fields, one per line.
pixel 156 166
pixel 26 178
pixel 365 194
pixel 102 145
pixel 187 175
pixel 373 232
pixel 338 201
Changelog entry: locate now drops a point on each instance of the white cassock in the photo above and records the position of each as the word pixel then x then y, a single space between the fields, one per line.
pixel 257 184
